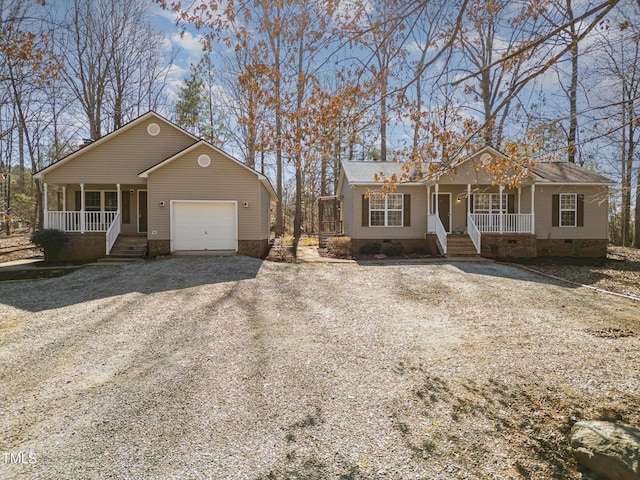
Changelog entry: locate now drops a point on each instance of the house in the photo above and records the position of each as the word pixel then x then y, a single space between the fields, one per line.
pixel 559 209
pixel 152 180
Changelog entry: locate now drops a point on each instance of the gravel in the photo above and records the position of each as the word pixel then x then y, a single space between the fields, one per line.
pixel 203 367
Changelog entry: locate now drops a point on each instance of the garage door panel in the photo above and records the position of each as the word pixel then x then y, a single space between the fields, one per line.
pixel 204 226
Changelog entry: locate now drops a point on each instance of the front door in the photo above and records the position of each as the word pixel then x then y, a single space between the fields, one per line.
pixel 142 211
pixel 444 209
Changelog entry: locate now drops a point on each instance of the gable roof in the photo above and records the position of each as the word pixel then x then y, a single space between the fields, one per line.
pixel 567 173
pixel 265 181
pixel 363 173
pixel 87 148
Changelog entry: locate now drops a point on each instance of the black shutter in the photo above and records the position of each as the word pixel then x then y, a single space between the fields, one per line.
pixel 78 200
pixel 365 211
pixel 555 210
pixel 470 200
pixel 511 203
pixel 407 210
pixel 580 210
pixel 126 208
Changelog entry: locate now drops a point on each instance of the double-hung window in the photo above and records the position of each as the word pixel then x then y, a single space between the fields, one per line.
pixel 490 203
pixel 386 211
pixel 568 209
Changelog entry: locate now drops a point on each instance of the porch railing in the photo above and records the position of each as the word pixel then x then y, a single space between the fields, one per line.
pixel 474 233
pixel 503 223
pixel 76 222
pixel 435 226
pixel 112 233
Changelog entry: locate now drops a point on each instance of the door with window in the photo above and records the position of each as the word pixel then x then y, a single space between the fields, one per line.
pixel 444 209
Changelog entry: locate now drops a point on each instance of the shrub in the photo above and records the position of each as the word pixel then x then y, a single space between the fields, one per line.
pixel 339 246
pixel 371 248
pixel 392 249
pixel 50 239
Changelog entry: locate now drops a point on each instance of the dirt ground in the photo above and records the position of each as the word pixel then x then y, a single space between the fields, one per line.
pixel 234 368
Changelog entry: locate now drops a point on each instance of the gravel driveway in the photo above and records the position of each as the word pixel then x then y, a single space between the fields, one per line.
pixel 231 368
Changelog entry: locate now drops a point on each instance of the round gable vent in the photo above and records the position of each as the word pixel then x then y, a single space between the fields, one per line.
pixel 204 160
pixel 153 129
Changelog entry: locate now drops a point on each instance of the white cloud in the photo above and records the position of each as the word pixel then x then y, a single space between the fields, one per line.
pixel 189 43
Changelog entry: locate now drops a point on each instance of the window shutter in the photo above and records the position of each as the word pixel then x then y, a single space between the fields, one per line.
pixel 580 210
pixel 470 200
pixel 555 210
pixel 511 203
pixel 126 208
pixel 407 210
pixel 78 200
pixel 365 211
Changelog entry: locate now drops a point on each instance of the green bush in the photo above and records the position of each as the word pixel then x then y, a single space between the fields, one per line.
pixel 50 239
pixel 392 249
pixel 371 248
pixel 339 246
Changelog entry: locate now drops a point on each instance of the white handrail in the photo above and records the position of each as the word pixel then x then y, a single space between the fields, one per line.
pixel 435 226
pixel 474 233
pixel 503 223
pixel 112 233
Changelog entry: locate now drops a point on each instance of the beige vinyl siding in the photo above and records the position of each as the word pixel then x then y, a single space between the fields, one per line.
pixel 184 179
pixel 348 210
pixel 123 156
pixel 466 174
pixel 595 213
pixel 265 208
pixel 418 226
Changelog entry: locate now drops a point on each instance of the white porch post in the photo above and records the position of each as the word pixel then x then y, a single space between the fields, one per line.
pixel 436 200
pixel 45 207
pixel 118 199
pixel 428 205
pixel 533 208
pixel 468 199
pixel 501 212
pixel 82 208
pixel 64 198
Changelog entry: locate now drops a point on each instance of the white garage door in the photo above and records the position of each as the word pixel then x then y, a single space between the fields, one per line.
pixel 204 226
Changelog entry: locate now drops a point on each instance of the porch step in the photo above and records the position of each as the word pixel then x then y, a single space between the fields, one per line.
pixel 460 245
pixel 324 239
pixel 129 248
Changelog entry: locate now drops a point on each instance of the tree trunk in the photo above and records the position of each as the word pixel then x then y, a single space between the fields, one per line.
pixel 573 90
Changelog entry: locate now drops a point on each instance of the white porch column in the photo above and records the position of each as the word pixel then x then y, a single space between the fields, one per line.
pixel 45 207
pixel 468 199
pixel 533 208
pixel 436 200
pixel 118 188
pixel 82 208
pixel 519 197
pixel 428 206
pixel 501 212
pixel 64 198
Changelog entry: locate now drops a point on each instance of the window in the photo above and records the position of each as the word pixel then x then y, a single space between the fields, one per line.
pixel 92 201
pixel 386 211
pixel 490 203
pixel 568 209
pixel 99 201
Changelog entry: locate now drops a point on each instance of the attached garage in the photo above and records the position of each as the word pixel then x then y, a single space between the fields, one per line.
pixel 204 225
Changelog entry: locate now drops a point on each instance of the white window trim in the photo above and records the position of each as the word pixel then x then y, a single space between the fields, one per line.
pixel 102 199
pixel 505 204
pixel 574 210
pixel 386 212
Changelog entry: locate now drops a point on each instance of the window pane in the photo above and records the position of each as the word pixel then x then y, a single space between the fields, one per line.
pixel 567 202
pixel 481 201
pixel 92 201
pixel 568 218
pixel 111 201
pixel 394 219
pixel 377 218
pixel 394 201
pixel 377 203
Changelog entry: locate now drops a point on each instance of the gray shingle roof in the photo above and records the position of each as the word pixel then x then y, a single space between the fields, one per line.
pixel 565 172
pixel 365 172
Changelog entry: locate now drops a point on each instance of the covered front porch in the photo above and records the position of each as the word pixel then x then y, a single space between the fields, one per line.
pixel 475 210
pixel 98 208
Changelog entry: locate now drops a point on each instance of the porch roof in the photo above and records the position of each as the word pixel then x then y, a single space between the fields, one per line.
pixel 360 173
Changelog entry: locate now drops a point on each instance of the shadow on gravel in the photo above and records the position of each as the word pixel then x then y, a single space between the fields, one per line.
pixel 93 283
